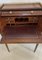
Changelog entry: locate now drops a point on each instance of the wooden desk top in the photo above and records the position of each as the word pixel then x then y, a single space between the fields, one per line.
pixel 21 6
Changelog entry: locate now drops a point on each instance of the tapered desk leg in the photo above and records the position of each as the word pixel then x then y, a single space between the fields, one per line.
pixel 36 47
pixel 7 47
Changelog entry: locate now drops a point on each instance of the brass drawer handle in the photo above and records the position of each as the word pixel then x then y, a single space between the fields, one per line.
pixel 32 11
pixel 10 12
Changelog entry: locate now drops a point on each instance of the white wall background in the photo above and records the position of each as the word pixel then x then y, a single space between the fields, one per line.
pixel 19 1
pixel 30 46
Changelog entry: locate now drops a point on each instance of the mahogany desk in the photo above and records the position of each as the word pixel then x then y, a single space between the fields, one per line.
pixel 21 23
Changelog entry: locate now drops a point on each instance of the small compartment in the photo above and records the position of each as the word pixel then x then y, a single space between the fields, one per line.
pixel 7 24
pixel 21 19
pixel 12 24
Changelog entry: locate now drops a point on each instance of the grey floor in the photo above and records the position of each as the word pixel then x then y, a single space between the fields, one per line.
pixel 19 52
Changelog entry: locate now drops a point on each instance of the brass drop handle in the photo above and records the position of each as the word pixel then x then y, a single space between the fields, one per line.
pixel 10 12
pixel 32 12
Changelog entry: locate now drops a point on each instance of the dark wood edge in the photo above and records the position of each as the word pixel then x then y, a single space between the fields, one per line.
pixel 20 42
pixel 30 9
pixel 24 16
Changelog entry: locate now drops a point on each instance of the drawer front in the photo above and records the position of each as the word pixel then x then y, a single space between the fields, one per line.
pixel 20 13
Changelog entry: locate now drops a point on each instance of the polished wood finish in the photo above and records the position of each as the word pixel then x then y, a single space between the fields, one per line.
pixel 19 16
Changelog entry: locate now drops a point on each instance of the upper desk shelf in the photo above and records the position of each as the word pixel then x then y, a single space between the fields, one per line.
pixel 21 9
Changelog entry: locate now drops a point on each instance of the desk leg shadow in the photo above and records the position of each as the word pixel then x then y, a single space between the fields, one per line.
pixel 7 47
pixel 36 47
